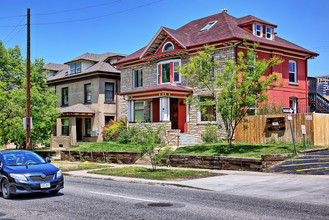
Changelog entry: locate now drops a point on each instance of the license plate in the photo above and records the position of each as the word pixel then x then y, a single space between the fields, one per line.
pixel 44 185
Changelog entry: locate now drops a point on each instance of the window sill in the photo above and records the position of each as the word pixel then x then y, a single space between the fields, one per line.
pixel 293 84
pixel 64 105
pixel 87 103
pixel 109 102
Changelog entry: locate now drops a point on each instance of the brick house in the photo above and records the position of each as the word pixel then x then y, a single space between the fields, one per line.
pixel 87 87
pixel 153 91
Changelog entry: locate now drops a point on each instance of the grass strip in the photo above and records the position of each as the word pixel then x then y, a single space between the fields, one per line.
pixel 79 167
pixel 158 174
pixel 107 146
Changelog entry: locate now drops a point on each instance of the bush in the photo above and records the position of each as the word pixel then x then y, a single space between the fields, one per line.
pixel 210 134
pixel 112 131
pixel 128 135
pixel 269 108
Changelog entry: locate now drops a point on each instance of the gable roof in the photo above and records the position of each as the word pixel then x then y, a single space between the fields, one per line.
pixel 227 28
pixel 100 65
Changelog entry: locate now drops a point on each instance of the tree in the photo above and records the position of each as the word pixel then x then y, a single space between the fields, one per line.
pixel 13 99
pixel 233 91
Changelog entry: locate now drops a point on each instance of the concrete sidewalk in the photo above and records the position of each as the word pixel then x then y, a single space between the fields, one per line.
pixel 301 188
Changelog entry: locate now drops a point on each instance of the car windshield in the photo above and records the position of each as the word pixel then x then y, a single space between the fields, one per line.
pixel 20 158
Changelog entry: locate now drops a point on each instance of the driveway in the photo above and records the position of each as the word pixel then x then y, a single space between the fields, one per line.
pixel 315 163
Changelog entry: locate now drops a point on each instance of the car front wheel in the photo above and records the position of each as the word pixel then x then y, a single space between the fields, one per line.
pixel 5 189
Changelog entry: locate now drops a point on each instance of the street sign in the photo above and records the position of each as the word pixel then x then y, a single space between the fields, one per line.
pixel 289 117
pixel 303 129
pixel 287 110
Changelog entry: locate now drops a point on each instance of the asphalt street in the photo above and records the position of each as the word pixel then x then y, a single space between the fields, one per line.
pixel 315 163
pixel 105 199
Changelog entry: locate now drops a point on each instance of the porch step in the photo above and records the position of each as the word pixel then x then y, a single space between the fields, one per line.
pixel 187 140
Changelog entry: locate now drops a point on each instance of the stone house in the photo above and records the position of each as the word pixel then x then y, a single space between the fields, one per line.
pixel 87 87
pixel 154 92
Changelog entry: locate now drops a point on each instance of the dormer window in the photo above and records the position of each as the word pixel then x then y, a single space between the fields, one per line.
pixel 208 26
pixel 258 30
pixel 75 68
pixel 269 33
pixel 168 47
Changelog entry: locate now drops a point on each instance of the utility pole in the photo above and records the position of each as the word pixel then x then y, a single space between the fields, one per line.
pixel 28 104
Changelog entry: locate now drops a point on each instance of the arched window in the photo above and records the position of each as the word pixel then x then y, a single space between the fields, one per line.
pixel 168 47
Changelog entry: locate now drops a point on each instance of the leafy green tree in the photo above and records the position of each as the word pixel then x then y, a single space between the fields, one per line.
pixel 13 99
pixel 240 86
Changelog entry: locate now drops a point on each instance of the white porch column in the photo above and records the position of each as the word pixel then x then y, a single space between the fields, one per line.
pixel 187 112
pixel 164 109
pixel 131 111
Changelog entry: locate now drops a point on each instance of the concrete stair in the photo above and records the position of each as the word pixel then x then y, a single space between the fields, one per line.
pixel 187 140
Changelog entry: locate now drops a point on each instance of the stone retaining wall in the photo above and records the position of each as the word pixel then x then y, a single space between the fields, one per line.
pixel 108 157
pixel 223 162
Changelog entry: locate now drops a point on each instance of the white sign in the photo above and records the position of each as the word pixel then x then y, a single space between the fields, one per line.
pixel 289 117
pixel 287 110
pixel 308 117
pixel 303 129
pixel 24 123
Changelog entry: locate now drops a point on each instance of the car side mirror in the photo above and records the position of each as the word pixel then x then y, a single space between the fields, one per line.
pixel 48 160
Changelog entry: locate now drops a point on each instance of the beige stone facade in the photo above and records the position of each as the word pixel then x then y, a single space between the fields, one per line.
pixel 150 73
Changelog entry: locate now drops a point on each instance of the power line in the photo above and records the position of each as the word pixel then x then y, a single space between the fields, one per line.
pixel 76 9
pixel 19 23
pixel 90 18
pixel 17 32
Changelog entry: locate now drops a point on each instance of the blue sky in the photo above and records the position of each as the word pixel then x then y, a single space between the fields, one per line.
pixel 125 26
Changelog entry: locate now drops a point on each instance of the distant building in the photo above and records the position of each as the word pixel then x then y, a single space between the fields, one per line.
pixel 87 87
pixel 323 85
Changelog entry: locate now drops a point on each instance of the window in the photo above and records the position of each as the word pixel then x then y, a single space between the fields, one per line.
pixel 269 33
pixel 75 68
pixel 208 26
pixel 88 93
pixel 168 47
pixel 139 111
pixel 65 127
pixel 292 71
pixel 208 111
pixel 138 78
pixel 108 119
pixel 258 30
pixel 87 127
pixel 65 96
pixel 109 92
pixel 167 72
pixel 251 62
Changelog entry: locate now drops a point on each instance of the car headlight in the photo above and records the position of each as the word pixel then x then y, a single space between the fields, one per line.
pixel 59 173
pixel 19 177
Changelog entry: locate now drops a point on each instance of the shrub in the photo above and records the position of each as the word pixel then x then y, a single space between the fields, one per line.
pixel 269 108
pixel 112 131
pixel 128 135
pixel 210 134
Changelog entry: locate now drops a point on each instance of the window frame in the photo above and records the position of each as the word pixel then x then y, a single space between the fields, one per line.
pixel 214 109
pixel 164 46
pixel 208 26
pixel 65 126
pixel 63 96
pixel 294 72
pixel 135 83
pixel 85 93
pixel 271 33
pixel 255 30
pixel 172 71
pixel 74 68
pixel 109 101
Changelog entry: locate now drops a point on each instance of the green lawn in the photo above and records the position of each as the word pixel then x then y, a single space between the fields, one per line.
pixel 107 147
pixel 147 173
pixel 240 149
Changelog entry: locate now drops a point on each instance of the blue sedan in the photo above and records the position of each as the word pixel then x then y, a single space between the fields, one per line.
pixel 24 172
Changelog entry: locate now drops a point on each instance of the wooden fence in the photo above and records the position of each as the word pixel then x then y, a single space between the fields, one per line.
pixel 266 128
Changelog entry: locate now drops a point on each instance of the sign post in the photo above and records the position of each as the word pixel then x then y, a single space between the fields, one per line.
pixel 292 133
pixel 304 132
